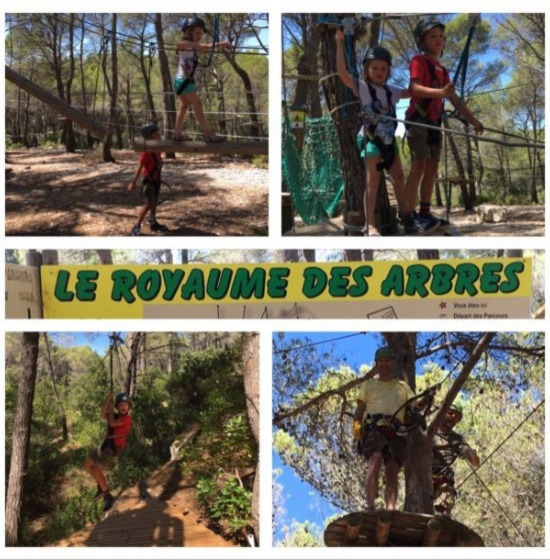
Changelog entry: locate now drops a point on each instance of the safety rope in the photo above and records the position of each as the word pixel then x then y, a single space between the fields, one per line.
pixel 506 514
pixel 215 40
pixel 503 441
pixel 462 67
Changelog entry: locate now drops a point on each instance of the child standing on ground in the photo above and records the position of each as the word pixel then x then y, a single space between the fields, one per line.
pixel 377 136
pixel 150 167
pixel 429 86
pixel 119 425
pixel 188 48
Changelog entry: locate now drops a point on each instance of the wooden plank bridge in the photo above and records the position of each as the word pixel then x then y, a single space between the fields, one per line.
pixel 398 528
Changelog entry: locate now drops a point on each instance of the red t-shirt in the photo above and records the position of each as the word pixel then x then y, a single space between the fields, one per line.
pixel 120 433
pixel 152 165
pixel 419 70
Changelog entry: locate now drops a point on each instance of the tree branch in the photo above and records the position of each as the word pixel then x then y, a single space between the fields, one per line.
pixel 480 347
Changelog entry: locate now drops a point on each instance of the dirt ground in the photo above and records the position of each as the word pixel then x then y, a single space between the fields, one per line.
pixel 51 192
pixel 521 221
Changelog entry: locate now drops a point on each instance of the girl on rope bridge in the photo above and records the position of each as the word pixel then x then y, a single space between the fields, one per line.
pixel 429 86
pixel 119 425
pixel 377 136
pixel 188 48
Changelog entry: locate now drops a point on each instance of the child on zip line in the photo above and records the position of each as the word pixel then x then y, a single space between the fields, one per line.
pixel 429 86
pixel 188 48
pixel 119 425
pixel 376 138
pixel 150 167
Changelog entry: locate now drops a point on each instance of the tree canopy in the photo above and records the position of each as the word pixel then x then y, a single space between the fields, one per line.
pixel 314 390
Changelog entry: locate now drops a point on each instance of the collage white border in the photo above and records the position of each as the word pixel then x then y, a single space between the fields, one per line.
pixel 275 241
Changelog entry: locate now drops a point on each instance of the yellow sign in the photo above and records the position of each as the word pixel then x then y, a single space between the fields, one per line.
pixel 461 288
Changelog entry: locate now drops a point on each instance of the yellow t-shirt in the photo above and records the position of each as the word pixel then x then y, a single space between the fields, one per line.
pixel 385 397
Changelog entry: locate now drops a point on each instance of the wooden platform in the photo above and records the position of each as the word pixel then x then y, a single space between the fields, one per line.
pixel 398 528
pixel 220 148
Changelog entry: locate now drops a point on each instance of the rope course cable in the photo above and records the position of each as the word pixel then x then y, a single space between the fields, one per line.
pixel 318 343
pixel 506 514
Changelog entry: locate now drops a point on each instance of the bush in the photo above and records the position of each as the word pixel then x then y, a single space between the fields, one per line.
pixel 232 503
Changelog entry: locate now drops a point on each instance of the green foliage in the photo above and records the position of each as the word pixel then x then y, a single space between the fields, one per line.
pixel 179 390
pixel 503 420
pixel 230 503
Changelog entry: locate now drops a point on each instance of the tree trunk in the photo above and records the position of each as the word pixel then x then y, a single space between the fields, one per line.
pixel 307 90
pixel 21 438
pixel 70 139
pixel 309 255
pixel 347 119
pixel 168 97
pixel 60 410
pixel 255 131
pixel 89 137
pixel 251 362
pixel 291 255
pixel 353 255
pixel 113 93
pixel 105 256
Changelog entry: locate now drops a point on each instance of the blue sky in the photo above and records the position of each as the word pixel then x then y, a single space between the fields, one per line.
pixel 97 341
pixel 301 501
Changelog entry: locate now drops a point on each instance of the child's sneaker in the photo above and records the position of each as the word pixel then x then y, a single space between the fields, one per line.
pixel 156 226
pixel 182 137
pixel 415 225
pixel 429 222
pixel 108 502
pixel 444 225
pixel 136 230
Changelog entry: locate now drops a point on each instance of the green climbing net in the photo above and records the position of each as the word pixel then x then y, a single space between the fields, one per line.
pixel 314 176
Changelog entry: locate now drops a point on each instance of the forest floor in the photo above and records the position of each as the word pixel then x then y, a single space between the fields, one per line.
pixel 161 512
pixel 521 221
pixel 51 192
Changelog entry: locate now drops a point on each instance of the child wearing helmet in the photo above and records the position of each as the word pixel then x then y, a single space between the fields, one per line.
pixel 378 100
pixel 119 425
pixel 188 48
pixel 429 86
pixel 448 446
pixel 378 401
pixel 150 168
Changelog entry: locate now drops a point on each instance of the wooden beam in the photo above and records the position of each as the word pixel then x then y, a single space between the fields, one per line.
pixel 432 532
pixel 220 148
pixel 353 529
pixel 383 526
pixel 78 117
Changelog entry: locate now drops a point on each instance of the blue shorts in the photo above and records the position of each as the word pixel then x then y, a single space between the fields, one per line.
pixel 371 150
pixel 189 88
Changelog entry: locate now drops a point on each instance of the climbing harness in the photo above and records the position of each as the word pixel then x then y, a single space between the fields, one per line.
pixel 194 61
pixel 371 128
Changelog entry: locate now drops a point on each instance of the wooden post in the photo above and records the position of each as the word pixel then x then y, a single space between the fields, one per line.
pixel 432 532
pixel 353 528
pixel 383 526
pixel 56 104
pixel 354 220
